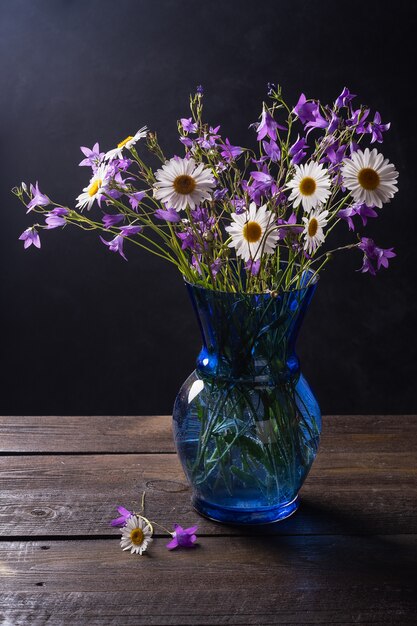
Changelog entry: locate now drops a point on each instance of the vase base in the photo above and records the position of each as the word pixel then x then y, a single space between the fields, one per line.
pixel 225 515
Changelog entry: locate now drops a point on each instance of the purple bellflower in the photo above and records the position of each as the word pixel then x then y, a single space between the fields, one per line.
pixel 268 126
pixel 374 255
pixel 56 218
pixel 182 537
pixel 112 220
pixel 39 198
pixel 297 150
pixel 168 215
pixel 305 111
pixel 344 98
pixel 376 128
pixel 124 516
pixel 30 236
pixel 93 157
pixel 253 266
pixel 188 125
pixel 229 152
pixel 135 198
pixel 360 209
pixel 272 150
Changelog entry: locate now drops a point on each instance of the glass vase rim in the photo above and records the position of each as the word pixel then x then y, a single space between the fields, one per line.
pixel 256 293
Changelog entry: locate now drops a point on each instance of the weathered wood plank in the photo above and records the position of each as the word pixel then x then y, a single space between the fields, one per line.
pixel 346 492
pixel 49 434
pixel 227 580
pixel 79 434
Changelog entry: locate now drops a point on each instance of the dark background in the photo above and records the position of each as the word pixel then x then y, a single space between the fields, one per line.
pixel 84 332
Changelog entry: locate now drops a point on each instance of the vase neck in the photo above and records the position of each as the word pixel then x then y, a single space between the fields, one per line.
pixel 249 336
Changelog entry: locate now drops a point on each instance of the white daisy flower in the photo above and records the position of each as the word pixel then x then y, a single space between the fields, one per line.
pixel 310 185
pixel 136 535
pixel 313 231
pixel 128 142
pixel 249 232
pixel 371 178
pixel 181 182
pixel 95 189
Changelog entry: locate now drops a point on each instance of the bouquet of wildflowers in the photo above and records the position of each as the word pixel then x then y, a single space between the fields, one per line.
pixel 233 218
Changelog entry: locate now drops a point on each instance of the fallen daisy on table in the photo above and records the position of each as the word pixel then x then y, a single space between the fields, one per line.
pixel 136 535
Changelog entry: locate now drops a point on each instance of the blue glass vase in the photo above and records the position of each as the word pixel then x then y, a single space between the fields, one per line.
pixel 246 423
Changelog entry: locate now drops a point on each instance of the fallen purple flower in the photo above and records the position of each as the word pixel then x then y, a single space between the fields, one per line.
pixel 124 516
pixel 182 537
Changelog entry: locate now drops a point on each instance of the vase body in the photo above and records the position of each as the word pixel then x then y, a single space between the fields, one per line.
pixel 246 423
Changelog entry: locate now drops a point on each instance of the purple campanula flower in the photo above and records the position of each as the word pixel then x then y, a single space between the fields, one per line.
pixel 268 126
pixel 168 215
pixel 376 128
pixel 219 194
pixel 124 516
pixel 291 230
pixel 333 124
pixel 253 266
pixel 30 236
pixel 188 125
pixel 122 164
pixel 357 120
pixel 297 150
pixel 305 111
pixel 112 220
pixel 344 98
pixel 131 229
pixel 115 245
pixel 319 121
pixel 182 537
pixel 272 150
pixel 93 157
pixel 215 267
pixel 56 217
pixel 38 199
pixel 187 142
pixel 373 254
pixel 239 204
pixel 229 152
pixel 188 240
pixel 135 198
pixel 200 90
pixel 334 153
pixel 360 209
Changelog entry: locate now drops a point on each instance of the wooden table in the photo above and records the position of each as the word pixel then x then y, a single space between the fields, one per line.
pixel 349 555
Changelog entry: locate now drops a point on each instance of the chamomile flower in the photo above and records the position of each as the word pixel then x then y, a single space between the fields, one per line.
pixel 371 178
pixel 128 142
pixel 249 232
pixel 181 182
pixel 136 535
pixel 313 231
pixel 310 186
pixel 95 189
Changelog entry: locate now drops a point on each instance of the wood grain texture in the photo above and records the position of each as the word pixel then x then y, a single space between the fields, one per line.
pixel 228 580
pixel 152 433
pixel 369 492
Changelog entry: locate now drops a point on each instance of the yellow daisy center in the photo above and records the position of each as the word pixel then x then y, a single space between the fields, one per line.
pixel 124 142
pixel 313 226
pixel 307 186
pixel 184 184
pixel 137 536
pixel 94 187
pixel 252 232
pixel 368 178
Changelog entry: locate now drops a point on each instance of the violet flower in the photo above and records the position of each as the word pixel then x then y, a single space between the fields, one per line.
pixel 115 245
pixel 131 229
pixel 305 111
pixel 136 198
pixel 360 209
pixel 372 255
pixel 215 267
pixel 30 236
pixel 376 128
pixel 199 90
pixel 56 218
pixel 112 220
pixel 93 157
pixel 253 267
pixel 124 516
pixel 344 98
pixel 229 152
pixel 272 150
pixel 182 537
pixel 169 215
pixel 268 126
pixel 39 198
pixel 297 150
pixel 188 125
